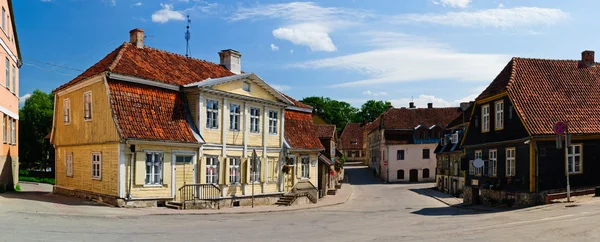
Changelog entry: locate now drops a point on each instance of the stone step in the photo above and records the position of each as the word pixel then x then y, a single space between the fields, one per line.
pixel 174 205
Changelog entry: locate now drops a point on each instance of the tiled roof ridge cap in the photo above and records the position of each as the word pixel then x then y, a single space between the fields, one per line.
pixel 114 63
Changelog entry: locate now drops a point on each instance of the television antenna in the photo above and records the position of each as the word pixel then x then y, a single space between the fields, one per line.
pixel 187 37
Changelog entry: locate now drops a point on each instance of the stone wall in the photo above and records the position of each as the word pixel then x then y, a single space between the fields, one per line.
pixel 467 195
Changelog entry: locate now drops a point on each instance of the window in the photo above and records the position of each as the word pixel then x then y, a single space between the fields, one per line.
pixel 254 120
pixel 3 19
pixel 87 105
pixel 305 167
pixel 234 170
pixel 14 131
pixel 7 72
pixel 14 79
pixel 400 155
pixel 212 170
pixel 67 111
pixel 353 142
pixel 69 164
pixel 456 168
pixel 254 173
pixel 499 124
pixel 485 118
pixel 510 161
pixel 574 159
pixel 425 173
pixel 154 163
pixel 96 165
pixel 425 153
pixel 273 122
pixel 492 162
pixel 4 128
pixel 234 117
pixel 272 169
pixel 478 155
pixel 212 114
pixel 246 86
pixel 400 174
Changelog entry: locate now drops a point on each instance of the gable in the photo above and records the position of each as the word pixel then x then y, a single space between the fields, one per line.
pixel 256 90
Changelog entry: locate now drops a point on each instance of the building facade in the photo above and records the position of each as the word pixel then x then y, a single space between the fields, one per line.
pixel 351 143
pixel 402 141
pixel 9 98
pixel 153 127
pixel 511 132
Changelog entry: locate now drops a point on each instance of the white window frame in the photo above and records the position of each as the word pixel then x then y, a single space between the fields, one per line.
pixel 234 116
pixel 485 118
pixel 572 155
pixel 212 170
pixel 478 155
pixel 272 173
pixel 305 172
pixel 235 164
pixel 511 154
pixel 69 164
pixel 151 172
pixel 254 174
pixel 14 79
pixel 67 111
pixel 273 119
pixel 14 131
pixel 7 71
pixel 492 162
pixel 96 165
pixel 254 120
pixel 499 108
pixel 212 114
pixel 87 106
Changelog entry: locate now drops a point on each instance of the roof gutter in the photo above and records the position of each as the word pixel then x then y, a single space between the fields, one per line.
pixel 138 80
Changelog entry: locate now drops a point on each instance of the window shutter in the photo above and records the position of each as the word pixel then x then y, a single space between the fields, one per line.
pixel 166 169
pixel 263 169
pixel 299 167
pixel 245 169
pixel 202 173
pixel 225 170
pixel 140 169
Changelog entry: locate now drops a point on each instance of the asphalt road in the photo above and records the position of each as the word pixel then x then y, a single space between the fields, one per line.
pixel 375 212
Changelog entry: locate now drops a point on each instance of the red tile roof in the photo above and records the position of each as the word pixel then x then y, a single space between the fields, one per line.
pixel 149 113
pixel 301 135
pixel 297 115
pixel 153 64
pixel 296 102
pixel 404 118
pixel 546 91
pixel 325 130
pixel 352 133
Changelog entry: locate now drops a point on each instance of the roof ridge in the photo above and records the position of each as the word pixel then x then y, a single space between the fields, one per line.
pixel 182 56
pixel 543 59
pixel 114 63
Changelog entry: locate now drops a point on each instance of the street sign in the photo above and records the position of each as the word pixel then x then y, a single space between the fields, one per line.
pixel 385 163
pixel 478 163
pixel 560 128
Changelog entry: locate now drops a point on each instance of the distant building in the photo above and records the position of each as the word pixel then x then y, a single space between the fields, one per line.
pixel 401 142
pixel 351 143
pixel 9 98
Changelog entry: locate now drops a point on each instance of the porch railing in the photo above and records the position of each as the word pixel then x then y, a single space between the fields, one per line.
pixel 199 192
pixel 306 188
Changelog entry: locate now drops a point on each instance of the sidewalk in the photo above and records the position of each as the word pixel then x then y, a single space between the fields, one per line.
pixel 443 197
pixel 38 199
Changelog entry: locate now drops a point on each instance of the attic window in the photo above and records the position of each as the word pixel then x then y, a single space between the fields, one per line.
pixel 246 86
pixel 353 142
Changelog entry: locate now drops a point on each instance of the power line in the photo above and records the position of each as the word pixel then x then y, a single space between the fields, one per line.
pixel 55 65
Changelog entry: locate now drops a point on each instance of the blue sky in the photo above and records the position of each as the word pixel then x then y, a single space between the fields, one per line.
pixel 440 51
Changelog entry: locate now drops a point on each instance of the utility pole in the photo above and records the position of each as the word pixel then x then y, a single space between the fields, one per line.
pixel 567 147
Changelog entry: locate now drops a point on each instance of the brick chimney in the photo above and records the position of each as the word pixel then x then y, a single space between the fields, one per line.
pixel 136 37
pixel 587 58
pixel 231 59
pixel 411 105
pixel 429 105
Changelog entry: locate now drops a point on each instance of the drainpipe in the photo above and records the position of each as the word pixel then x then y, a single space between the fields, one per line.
pixel 130 174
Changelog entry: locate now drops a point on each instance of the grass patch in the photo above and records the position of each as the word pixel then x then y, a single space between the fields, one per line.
pixel 37 179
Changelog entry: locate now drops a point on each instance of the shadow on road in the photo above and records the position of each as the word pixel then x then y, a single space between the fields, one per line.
pixel 40 193
pixel 359 174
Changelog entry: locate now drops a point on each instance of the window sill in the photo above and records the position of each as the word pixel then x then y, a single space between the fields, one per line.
pixel 575 173
pixel 153 186
pixel 212 128
pixel 96 179
pixel 87 120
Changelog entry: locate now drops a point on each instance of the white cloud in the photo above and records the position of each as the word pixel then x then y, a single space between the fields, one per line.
pixel 274 47
pixel 281 88
pixel 498 18
pixel 138 4
pixel 24 98
pixel 454 3
pixel 46 1
pixel 398 57
pixel 292 51
pixel 166 13
pixel 500 5
pixel 374 94
pixel 305 23
pixel 422 100
pixel 113 2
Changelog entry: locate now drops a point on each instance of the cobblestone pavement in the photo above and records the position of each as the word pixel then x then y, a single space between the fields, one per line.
pixel 375 212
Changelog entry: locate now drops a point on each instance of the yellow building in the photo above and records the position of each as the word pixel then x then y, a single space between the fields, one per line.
pixel 144 126
pixel 9 98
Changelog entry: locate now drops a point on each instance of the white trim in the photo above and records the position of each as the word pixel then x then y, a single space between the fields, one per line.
pixel 163 143
pixel 7 49
pixel 142 81
pixel 199 121
pixel 246 127
pixel 224 128
pixel 121 155
pixel 265 128
pixel 9 113
pixel 91 106
pixel 82 84
pixel 294 108
pixel 99 154
pixel 173 188
pixel 242 97
pixel 174 154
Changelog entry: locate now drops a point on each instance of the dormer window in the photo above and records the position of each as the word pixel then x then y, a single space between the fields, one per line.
pixel 246 86
pixel 353 142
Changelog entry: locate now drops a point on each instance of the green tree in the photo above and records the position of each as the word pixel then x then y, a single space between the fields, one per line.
pixel 334 112
pixel 34 124
pixel 370 110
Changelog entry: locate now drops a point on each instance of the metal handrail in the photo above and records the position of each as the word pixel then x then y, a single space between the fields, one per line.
pixel 194 192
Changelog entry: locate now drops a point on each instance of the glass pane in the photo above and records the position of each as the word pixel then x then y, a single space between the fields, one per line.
pixel 577 149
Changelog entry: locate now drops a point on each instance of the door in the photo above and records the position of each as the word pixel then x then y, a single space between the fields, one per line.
pixel 290 177
pixel 414 175
pixel 184 174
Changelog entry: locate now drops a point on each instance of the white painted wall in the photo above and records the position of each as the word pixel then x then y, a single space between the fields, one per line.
pixel 413 159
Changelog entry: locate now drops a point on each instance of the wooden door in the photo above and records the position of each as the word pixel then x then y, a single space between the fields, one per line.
pixel 184 173
pixel 414 175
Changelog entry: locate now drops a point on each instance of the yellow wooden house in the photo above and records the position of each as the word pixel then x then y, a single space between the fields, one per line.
pixel 144 126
